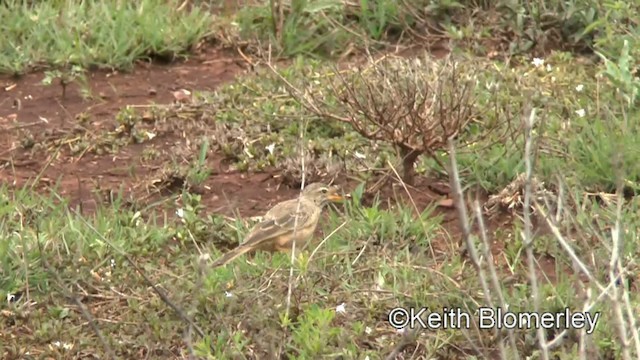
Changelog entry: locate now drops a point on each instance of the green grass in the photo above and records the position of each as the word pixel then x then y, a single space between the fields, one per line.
pixel 111 34
pixel 379 260
pixel 333 28
pixel 383 254
pixel 67 32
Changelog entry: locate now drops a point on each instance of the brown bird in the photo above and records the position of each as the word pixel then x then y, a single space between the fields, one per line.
pixel 278 230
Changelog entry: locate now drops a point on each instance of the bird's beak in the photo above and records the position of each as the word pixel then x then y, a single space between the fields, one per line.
pixel 335 196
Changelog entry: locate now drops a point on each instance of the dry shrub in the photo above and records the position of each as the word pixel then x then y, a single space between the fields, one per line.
pixel 415 104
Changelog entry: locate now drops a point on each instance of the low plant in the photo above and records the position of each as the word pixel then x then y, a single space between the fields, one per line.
pixel 66 76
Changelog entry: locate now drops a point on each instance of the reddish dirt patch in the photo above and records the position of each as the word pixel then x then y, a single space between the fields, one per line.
pixel 27 105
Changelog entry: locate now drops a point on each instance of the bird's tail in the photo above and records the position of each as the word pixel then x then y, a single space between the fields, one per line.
pixel 232 255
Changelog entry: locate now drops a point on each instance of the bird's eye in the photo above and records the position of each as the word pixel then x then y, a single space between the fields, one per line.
pixel 324 190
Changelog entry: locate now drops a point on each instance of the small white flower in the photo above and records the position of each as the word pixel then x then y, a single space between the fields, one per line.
pixel 270 148
pixel 360 155
pixel 65 346
pixel 341 308
pixel 537 62
pixel 367 330
pixel 579 88
pixel 180 213
pixel 113 263
pixel 580 112
pixel 228 294
pixel 549 68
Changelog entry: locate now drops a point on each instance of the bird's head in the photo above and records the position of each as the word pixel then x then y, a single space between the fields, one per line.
pixel 321 193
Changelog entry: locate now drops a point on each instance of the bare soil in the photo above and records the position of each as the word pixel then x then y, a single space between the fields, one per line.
pixel 87 179
pixel 28 106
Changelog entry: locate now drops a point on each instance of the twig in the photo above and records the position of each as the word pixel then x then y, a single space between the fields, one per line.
pixel 11 149
pixel 45 167
pixel 245 58
pixel 69 294
pixel 583 338
pixel 466 238
pixel 408 338
pixel 327 237
pixel 295 221
pixel 614 273
pixel 495 282
pixel 567 248
pixel 22 126
pixel 527 236
pixel 182 6
pixel 456 191
pixel 155 289
pixel 25 258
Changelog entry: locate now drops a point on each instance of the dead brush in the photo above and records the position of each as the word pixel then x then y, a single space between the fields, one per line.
pixel 414 104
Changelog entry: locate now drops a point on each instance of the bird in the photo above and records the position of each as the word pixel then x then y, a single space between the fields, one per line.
pixel 278 230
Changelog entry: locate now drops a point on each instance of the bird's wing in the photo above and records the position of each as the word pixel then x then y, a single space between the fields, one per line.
pixel 280 220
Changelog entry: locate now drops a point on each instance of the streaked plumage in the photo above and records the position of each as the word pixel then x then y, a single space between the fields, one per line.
pixel 276 230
